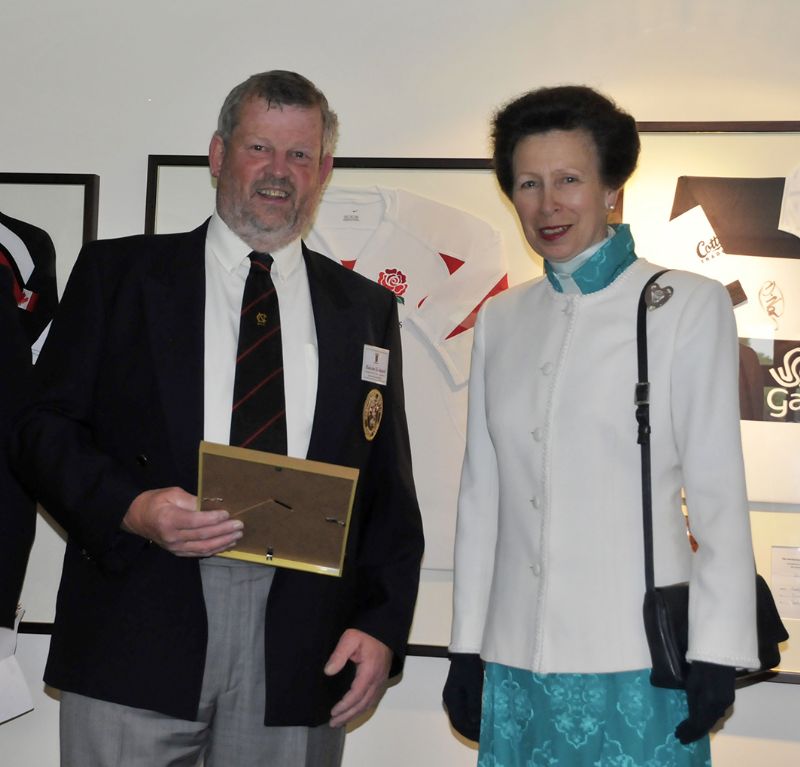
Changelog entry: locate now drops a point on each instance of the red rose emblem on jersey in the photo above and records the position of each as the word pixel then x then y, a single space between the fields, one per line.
pixel 395 280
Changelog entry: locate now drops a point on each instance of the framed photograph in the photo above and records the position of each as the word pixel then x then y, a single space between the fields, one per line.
pixel 180 194
pixel 62 204
pixel 706 197
pixel 296 513
pixel 776 543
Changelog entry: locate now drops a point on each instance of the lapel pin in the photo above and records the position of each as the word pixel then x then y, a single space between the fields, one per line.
pixel 657 296
pixel 372 413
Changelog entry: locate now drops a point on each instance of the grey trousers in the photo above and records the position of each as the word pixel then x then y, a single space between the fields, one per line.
pixel 230 730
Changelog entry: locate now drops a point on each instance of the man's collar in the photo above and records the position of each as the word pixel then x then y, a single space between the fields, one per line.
pixel 230 250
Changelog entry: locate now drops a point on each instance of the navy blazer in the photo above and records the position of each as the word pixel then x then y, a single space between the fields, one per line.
pixel 119 410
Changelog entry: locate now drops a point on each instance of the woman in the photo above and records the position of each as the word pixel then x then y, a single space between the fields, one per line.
pixel 549 574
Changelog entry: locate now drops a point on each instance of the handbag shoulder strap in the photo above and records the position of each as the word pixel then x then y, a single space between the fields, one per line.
pixel 642 401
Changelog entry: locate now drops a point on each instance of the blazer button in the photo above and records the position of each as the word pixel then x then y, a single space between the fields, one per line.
pixel 141 459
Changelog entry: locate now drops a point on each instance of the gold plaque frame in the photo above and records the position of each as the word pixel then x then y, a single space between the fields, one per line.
pixel 296 513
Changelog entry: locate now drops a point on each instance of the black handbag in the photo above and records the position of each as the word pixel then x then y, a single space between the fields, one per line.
pixel 666 608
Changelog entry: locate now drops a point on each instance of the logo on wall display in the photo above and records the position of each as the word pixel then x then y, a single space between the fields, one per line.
pixel 784 398
pixel 770 296
pixel 396 281
pixel 769 380
pixel 708 249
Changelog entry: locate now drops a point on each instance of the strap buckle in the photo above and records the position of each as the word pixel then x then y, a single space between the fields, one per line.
pixel 642 394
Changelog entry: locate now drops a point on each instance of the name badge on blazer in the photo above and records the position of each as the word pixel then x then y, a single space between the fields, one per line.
pixel 375 365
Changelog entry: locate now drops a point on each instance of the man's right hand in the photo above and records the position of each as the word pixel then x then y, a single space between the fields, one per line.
pixel 169 517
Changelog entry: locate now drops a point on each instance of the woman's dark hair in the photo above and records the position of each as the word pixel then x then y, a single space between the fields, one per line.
pixel 567 107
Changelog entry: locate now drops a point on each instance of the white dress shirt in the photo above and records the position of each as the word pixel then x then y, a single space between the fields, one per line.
pixel 227 265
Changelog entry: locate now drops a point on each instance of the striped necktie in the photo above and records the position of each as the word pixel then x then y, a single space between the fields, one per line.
pixel 258 418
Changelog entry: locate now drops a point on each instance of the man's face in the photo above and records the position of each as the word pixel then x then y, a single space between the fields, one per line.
pixel 270 174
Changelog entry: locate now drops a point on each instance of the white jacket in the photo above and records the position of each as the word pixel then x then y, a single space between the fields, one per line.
pixel 549 572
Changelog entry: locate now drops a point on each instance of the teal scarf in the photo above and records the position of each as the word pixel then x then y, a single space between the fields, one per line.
pixel 603 266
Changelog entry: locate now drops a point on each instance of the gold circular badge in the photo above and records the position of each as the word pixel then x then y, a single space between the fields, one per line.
pixel 372 413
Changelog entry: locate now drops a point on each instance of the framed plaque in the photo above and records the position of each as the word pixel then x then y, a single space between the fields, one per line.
pixel 296 513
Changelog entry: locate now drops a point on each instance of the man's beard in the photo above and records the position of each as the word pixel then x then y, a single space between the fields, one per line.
pixel 268 237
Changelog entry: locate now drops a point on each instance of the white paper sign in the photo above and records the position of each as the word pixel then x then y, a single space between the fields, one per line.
pixel 786 580
pixel 15 697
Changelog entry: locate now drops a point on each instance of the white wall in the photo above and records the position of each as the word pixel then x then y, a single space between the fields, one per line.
pixel 94 86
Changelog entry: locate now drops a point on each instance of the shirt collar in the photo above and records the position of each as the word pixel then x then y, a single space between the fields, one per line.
pixel 230 250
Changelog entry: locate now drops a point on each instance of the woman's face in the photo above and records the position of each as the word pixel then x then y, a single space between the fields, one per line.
pixel 561 201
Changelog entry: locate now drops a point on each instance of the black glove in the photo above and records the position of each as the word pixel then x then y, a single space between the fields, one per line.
pixel 710 690
pixel 462 694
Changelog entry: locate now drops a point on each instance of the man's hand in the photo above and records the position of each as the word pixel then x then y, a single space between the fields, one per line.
pixel 169 517
pixel 373 660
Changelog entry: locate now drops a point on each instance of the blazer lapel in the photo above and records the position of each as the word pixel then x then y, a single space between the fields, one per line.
pixel 175 316
pixel 336 320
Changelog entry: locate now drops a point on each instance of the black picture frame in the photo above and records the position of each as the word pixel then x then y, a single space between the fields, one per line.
pixel 65 205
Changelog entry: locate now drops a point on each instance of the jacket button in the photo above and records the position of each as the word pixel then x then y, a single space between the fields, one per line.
pixel 141 459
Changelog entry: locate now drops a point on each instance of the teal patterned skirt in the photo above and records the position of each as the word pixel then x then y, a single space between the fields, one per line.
pixel 574 720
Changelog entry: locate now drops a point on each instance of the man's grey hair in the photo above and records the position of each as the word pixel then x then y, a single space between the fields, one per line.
pixel 279 88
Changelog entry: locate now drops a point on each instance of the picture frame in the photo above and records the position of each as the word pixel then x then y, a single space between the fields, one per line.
pixel 775 531
pixel 180 194
pixel 296 512
pixel 65 205
pixel 734 152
